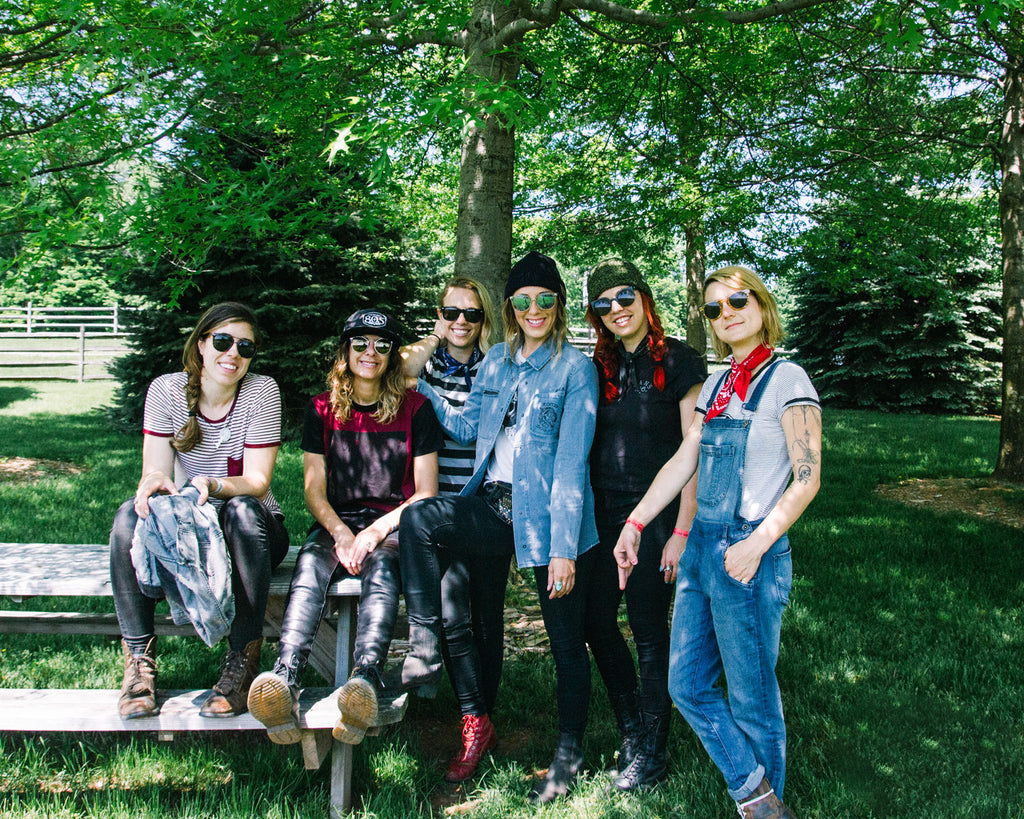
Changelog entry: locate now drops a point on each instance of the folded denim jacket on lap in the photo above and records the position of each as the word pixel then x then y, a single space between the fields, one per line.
pixel 179 552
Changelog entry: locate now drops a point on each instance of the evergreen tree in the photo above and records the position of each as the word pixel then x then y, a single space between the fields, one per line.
pixel 891 316
pixel 302 286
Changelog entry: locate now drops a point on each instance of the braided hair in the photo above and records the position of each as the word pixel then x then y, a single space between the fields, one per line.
pixel 606 352
pixel 190 435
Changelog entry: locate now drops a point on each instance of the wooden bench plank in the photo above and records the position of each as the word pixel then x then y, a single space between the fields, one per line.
pixel 73 570
pixel 89 622
pixel 44 710
pixel 77 570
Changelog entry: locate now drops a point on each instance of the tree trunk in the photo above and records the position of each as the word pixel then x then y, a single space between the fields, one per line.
pixel 483 247
pixel 1010 464
pixel 696 335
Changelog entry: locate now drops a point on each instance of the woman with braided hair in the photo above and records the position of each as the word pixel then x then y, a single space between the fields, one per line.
pixel 213 429
pixel 648 389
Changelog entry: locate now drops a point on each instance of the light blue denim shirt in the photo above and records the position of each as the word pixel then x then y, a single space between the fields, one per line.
pixel 179 552
pixel 552 502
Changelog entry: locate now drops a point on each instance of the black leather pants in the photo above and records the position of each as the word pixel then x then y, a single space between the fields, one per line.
pixel 257 541
pixel 433 532
pixel 315 568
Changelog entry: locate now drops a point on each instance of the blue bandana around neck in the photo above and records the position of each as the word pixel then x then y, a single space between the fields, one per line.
pixel 455 367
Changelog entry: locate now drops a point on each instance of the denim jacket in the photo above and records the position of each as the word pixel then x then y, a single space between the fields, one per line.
pixel 179 552
pixel 552 501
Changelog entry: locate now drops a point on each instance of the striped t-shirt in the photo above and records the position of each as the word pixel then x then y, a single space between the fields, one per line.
pixel 253 421
pixel 766 465
pixel 455 461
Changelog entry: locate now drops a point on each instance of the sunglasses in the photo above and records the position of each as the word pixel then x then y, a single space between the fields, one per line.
pixel 522 302
pixel 737 301
pixel 222 342
pixel 361 344
pixel 474 315
pixel 625 297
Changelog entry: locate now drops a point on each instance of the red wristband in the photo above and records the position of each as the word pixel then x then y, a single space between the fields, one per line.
pixel 681 532
pixel 635 523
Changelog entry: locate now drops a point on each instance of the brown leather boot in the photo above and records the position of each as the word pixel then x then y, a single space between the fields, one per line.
pixel 764 804
pixel 138 691
pixel 236 675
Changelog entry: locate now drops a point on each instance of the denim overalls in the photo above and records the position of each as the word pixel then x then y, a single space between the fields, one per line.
pixel 722 624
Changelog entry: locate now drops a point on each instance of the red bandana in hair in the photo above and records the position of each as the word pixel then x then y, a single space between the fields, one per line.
pixel 738 380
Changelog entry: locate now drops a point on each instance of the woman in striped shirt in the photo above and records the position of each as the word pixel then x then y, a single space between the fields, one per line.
pixel 216 427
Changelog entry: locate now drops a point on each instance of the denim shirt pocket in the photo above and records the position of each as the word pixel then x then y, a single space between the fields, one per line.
pixel 546 415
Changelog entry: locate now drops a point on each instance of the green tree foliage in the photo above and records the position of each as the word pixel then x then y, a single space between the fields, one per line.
pixel 303 284
pixel 893 312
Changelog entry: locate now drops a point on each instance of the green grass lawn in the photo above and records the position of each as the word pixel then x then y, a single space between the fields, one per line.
pixel 900 666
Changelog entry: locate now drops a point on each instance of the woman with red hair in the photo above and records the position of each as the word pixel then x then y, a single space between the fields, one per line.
pixel 648 390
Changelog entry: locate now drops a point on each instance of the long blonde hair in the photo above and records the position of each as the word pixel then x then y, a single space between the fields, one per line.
pixel 392 386
pixel 743 278
pixel 515 337
pixel 486 304
pixel 190 435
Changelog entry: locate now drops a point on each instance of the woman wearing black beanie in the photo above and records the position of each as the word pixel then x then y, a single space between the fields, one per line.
pixel 531 411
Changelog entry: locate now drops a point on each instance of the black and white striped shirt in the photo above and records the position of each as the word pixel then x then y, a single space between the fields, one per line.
pixel 455 461
pixel 253 421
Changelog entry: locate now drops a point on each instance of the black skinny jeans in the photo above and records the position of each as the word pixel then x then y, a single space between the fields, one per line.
pixel 257 542
pixel 466 527
pixel 473 640
pixel 315 568
pixel 648 598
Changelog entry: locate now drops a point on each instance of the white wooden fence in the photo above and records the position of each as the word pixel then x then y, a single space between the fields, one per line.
pixel 60 343
pixel 30 320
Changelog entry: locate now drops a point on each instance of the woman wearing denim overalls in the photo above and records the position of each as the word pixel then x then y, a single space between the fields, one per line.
pixel 756 425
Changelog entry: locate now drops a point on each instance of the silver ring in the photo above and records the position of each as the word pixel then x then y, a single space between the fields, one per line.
pixel 558 585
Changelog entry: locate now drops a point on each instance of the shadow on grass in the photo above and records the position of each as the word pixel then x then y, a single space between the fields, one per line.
pixel 12 395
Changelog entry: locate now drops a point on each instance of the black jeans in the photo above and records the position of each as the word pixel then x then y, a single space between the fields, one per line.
pixel 257 542
pixel 433 533
pixel 315 568
pixel 648 598
pixel 564 622
pixel 473 640
pixel 466 527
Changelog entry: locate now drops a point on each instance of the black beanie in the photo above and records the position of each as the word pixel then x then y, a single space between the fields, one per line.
pixel 535 270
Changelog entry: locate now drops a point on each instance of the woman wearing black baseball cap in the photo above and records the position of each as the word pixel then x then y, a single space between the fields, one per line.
pixel 370 450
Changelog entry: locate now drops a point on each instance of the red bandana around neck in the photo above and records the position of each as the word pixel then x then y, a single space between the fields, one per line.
pixel 738 380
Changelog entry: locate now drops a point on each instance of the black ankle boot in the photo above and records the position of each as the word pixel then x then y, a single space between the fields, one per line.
pixel 631 728
pixel 421 671
pixel 358 704
pixel 274 697
pixel 650 765
pixel 562 773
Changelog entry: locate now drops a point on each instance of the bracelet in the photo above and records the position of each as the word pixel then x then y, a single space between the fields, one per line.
pixel 435 335
pixel 635 523
pixel 681 532
pixel 220 486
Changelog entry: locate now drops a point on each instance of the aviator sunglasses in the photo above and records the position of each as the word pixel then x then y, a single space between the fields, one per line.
pixel 522 302
pixel 222 343
pixel 737 301
pixel 360 344
pixel 474 315
pixel 602 306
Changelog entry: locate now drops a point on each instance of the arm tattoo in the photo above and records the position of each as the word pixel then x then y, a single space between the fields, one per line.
pixel 806 457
